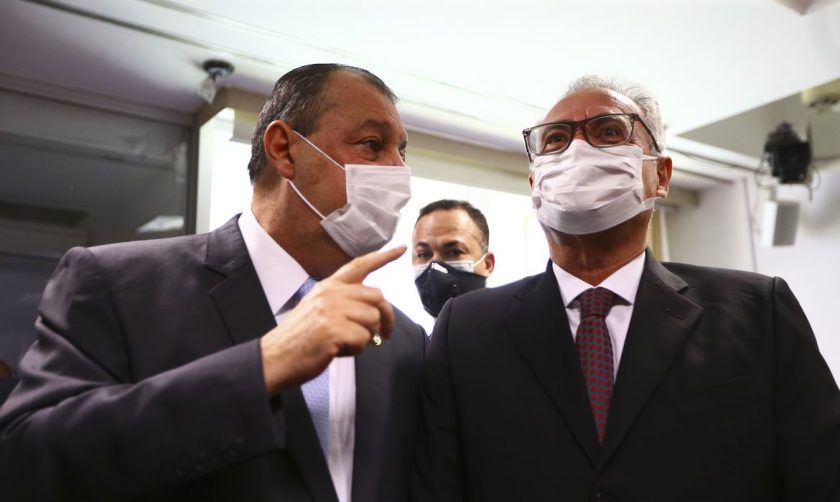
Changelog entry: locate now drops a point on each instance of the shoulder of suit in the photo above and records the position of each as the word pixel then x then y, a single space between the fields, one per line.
pixel 149 249
pixel 405 322
pixel 722 277
pixel 501 293
pixel 154 259
pixel 165 249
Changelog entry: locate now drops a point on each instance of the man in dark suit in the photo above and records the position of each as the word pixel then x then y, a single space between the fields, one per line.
pixel 612 376
pixel 210 367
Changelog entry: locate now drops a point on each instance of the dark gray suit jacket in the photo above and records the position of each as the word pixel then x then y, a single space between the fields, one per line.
pixel 146 382
pixel 6 386
pixel 721 395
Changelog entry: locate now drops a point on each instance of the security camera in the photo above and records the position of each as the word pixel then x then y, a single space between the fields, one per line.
pixel 788 155
pixel 216 70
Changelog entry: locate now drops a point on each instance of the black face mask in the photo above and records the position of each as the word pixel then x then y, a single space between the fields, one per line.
pixel 440 282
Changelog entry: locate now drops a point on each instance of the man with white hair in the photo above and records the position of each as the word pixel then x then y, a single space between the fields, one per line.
pixel 613 376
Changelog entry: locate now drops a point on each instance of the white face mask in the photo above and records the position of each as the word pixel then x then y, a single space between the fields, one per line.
pixel 375 195
pixel 586 189
pixel 462 265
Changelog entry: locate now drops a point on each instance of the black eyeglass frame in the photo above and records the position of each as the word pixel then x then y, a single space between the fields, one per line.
pixel 578 124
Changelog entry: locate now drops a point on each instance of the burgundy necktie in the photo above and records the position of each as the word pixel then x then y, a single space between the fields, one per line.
pixel 595 351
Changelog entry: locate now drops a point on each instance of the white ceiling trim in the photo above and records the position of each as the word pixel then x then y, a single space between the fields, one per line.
pixel 64 95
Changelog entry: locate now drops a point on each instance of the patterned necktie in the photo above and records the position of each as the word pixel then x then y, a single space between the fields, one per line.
pixel 316 392
pixel 595 352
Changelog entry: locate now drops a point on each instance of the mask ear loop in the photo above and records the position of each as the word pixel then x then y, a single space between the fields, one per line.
pixel 292 183
pixel 319 150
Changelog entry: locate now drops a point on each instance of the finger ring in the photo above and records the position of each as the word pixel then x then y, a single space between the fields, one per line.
pixel 375 339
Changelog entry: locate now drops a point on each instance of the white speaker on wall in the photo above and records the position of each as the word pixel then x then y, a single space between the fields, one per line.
pixel 779 222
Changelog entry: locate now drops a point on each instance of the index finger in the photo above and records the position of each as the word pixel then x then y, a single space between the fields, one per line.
pixel 360 267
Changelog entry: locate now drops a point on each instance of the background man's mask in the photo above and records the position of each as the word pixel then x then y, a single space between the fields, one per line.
pixel 439 281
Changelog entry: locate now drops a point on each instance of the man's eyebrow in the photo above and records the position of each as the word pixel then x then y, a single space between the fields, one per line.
pixel 384 128
pixel 454 243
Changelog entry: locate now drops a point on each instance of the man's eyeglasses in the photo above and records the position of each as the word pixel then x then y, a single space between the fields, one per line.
pixel 601 132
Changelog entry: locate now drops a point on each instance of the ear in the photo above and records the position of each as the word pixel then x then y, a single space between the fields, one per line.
pixel 664 168
pixel 490 262
pixel 277 142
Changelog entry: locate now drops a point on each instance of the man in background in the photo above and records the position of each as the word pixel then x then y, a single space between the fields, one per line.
pixel 250 363
pixel 451 254
pixel 613 376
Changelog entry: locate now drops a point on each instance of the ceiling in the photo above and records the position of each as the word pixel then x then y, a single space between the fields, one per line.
pixel 477 71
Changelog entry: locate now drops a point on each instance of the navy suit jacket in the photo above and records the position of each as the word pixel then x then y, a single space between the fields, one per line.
pixel 721 395
pixel 145 382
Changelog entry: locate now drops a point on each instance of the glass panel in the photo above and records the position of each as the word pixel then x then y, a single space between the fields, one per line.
pixel 78 176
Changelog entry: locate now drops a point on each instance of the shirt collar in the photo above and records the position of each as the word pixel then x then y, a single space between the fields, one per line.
pixel 624 282
pixel 279 274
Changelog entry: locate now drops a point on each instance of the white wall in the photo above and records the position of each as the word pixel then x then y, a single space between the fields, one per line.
pixel 716 233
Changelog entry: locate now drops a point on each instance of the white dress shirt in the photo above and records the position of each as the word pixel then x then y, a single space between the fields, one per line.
pixel 624 282
pixel 281 276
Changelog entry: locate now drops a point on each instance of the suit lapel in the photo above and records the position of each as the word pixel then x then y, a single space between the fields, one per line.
pixel 539 328
pixel 373 400
pixel 240 300
pixel 238 297
pixel 662 321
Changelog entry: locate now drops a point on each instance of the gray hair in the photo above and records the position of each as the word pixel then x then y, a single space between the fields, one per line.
pixel 299 100
pixel 638 93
